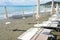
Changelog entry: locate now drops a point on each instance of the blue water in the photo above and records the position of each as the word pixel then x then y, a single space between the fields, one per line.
pixel 17 10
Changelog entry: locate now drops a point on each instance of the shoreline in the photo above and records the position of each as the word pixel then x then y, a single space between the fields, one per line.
pixel 20 15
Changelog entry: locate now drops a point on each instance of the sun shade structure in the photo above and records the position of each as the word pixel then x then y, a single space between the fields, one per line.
pixel 57 8
pixel 23 16
pixel 7 18
pixel 52 7
pixel 38 11
pixel 6 13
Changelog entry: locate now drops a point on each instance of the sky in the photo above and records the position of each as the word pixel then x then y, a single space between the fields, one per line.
pixel 22 2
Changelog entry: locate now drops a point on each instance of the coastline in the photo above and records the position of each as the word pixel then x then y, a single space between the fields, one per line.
pixel 16 13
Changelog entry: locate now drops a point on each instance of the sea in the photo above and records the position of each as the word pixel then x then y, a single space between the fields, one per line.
pixel 17 10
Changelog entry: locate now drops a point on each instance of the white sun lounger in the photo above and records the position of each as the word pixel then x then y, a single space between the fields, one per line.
pixel 28 34
pixel 54 19
pixel 56 15
pixel 47 31
pixel 47 23
pixel 44 34
pixel 50 24
pixel 42 37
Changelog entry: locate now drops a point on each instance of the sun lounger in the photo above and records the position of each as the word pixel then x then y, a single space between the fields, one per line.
pixel 37 25
pixel 46 23
pixel 54 19
pixel 42 37
pixel 44 32
pixel 51 19
pixel 28 34
pixel 32 34
pixel 55 15
pixel 49 23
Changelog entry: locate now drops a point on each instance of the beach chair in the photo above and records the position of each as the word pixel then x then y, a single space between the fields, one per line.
pixel 28 34
pixel 46 23
pixel 56 15
pixel 46 31
pixel 43 35
pixel 55 19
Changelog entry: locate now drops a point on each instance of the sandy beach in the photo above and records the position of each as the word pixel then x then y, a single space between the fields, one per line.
pixel 8 32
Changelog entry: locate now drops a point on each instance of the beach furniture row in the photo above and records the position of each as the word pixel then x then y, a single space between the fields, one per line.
pixel 35 34
pixel 38 32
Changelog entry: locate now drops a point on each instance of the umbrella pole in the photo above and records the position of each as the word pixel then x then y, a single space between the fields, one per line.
pixel 38 11
pixel 6 13
pixel 23 16
pixel 57 8
pixel 52 7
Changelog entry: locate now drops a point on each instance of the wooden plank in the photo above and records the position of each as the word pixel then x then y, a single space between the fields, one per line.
pixel 28 34
pixel 42 37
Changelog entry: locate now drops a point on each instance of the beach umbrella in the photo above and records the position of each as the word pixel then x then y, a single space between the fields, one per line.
pixel 52 7
pixel 7 18
pixel 38 11
pixel 6 13
pixel 57 8
pixel 23 16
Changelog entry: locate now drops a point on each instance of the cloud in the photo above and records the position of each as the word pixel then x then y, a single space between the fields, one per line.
pixel 16 2
pixel 2 2
pixel 44 1
pixel 22 2
pixel 31 2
